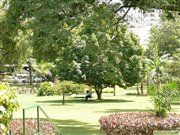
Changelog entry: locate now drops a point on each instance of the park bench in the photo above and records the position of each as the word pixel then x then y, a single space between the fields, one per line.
pixel 82 97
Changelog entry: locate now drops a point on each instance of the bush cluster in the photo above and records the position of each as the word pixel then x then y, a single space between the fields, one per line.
pixel 45 89
pixel 137 123
pixel 64 87
pixel 67 88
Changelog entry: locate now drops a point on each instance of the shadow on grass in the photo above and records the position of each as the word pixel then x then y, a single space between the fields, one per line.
pixel 135 94
pixel 59 102
pixel 74 127
pixel 176 103
pixel 125 110
pixel 131 94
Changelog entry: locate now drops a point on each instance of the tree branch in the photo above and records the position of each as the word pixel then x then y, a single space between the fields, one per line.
pixel 118 21
pixel 120 8
pixel 110 1
pixel 140 4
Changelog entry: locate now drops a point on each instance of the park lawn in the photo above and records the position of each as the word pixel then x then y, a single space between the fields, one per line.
pixel 78 117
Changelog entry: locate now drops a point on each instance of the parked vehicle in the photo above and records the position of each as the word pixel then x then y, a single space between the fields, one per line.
pixel 9 79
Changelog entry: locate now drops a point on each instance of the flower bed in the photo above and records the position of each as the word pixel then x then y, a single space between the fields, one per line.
pixel 24 90
pixel 137 123
pixel 46 128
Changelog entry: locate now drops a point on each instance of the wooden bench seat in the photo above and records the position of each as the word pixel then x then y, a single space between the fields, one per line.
pixel 82 97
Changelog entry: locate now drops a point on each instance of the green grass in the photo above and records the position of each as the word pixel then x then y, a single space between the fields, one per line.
pixel 78 117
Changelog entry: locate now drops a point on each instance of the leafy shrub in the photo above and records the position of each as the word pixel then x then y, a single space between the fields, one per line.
pixel 162 102
pixel 176 92
pixel 163 98
pixel 45 89
pixel 8 104
pixel 67 88
pixel 152 90
pixel 137 123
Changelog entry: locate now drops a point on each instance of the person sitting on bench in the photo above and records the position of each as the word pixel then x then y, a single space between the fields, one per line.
pixel 88 95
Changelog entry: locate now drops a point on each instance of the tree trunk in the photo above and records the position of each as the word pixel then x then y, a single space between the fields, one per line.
pixel 98 92
pixel 147 82
pixel 30 73
pixel 158 80
pixel 63 102
pixel 142 88
pixel 137 87
pixel 114 90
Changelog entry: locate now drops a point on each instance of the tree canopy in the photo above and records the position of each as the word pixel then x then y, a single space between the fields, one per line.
pixel 97 58
pixel 46 25
pixel 166 36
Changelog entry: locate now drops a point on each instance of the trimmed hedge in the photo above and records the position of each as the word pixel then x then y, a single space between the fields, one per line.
pixel 137 123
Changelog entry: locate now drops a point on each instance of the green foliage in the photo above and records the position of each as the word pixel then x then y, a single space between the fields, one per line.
pixel 165 41
pixel 14 43
pixel 176 92
pixel 68 87
pixel 166 36
pixel 162 99
pixel 99 55
pixel 173 66
pixel 45 89
pixel 49 21
pixel 152 90
pixel 43 27
pixel 8 104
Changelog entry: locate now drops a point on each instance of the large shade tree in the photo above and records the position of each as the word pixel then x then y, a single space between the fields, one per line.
pixel 99 59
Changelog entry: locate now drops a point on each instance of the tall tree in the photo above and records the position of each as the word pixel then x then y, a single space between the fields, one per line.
pixel 14 47
pixel 173 66
pixel 97 58
pixel 167 37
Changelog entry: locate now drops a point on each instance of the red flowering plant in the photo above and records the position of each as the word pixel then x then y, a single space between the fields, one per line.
pixel 137 123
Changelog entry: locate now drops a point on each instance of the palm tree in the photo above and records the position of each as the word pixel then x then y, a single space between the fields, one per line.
pixel 44 69
pixel 156 66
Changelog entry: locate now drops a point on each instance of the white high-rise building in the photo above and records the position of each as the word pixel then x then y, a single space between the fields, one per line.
pixel 140 23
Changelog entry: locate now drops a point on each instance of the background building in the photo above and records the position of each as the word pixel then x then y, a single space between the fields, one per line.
pixel 140 23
